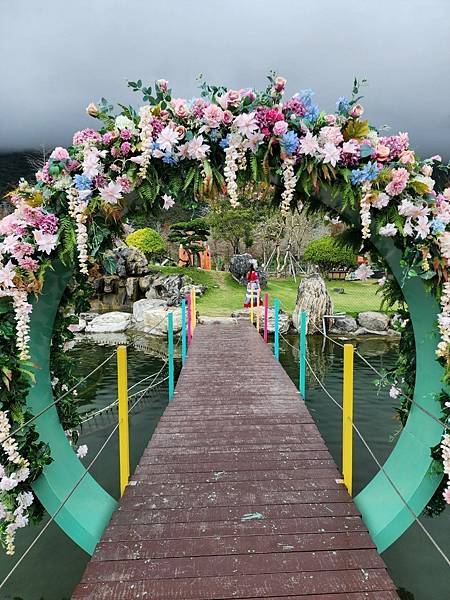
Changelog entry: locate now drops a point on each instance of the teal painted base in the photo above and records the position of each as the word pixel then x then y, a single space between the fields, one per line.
pixel 409 464
pixel 88 510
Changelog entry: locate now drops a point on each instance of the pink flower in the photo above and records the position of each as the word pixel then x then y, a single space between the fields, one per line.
pixel 427 170
pixel 399 179
pixel 363 272
pixel 330 119
pixel 168 202
pixel 246 123
pixel 59 154
pixel 197 149
pixel 233 97
pixel 280 128
pixel 227 117
pixel 80 137
pixel 249 94
pixel 125 148
pixel 167 138
pixel 446 495
pixel 280 84
pixel 109 136
pixel 29 264
pixel 350 147
pixel 198 108
pixel 407 157
pixel 112 193
pixel 331 134
pixel 356 111
pixel 180 107
pixel 422 227
pixel 213 116
pixel 125 134
pixel 436 157
pixel 394 392
pixel 382 152
pixel 222 101
pixel 125 183
pixel 7 274
pixel 163 84
pixel 46 242
pixel 381 200
pixel 72 165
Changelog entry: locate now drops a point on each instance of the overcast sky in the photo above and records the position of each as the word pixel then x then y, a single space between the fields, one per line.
pixel 58 56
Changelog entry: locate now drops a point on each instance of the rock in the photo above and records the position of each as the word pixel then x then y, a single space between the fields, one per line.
pixel 145 282
pixel 130 261
pixel 313 297
pixel 199 289
pixel 155 320
pixel 78 327
pixel 346 324
pixel 171 287
pixel 112 322
pixel 141 306
pixel 240 265
pixel 88 316
pixel 284 320
pixel 111 284
pixel 373 321
pixel 131 287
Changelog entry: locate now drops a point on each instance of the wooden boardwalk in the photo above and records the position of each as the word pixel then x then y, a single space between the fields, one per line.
pixel 236 495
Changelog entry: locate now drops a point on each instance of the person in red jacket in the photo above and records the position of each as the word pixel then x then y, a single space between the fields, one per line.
pixel 252 286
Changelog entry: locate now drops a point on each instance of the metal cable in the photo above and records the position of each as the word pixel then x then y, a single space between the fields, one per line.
pixel 383 377
pixel 69 495
pixel 382 469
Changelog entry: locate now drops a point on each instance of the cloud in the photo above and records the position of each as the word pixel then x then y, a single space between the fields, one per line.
pixel 56 58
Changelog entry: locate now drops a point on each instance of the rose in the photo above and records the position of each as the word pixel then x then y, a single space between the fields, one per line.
pixel 213 115
pixel 163 84
pixel 180 107
pixel 227 117
pixel 427 170
pixel 330 119
pixel 92 110
pixel 59 154
pixel 280 128
pixel 280 84
pixel 125 148
pixel 233 97
pixel 407 157
pixel 125 134
pixel 356 111
pixel 181 132
pixel 249 94
pixel 382 152
pixel 164 115
pixel 222 101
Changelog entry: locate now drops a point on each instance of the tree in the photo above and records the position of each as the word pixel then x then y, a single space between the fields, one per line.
pixel 329 254
pixel 147 240
pixel 191 235
pixel 234 225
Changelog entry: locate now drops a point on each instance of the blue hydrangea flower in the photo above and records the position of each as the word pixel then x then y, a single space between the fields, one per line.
pixel 343 105
pixel 169 159
pixel 155 146
pixel 290 142
pixel 82 182
pixel 437 226
pixel 224 143
pixel 367 173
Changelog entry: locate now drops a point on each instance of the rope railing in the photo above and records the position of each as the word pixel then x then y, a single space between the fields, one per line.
pixel 74 488
pixel 383 376
pixel 381 468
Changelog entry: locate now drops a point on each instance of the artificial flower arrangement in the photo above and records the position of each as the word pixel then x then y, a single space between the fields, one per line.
pixel 175 150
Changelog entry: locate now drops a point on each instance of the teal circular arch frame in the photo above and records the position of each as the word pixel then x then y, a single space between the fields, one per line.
pixel 88 509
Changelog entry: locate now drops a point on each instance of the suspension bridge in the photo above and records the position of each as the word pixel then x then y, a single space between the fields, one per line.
pixel 236 495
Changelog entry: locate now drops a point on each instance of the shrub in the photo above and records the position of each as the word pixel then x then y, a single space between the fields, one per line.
pixel 329 254
pixel 147 240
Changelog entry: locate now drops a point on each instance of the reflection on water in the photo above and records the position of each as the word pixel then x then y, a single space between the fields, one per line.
pixel 54 566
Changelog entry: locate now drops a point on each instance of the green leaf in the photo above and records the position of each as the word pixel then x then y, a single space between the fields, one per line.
pixel 365 150
pixel 428 274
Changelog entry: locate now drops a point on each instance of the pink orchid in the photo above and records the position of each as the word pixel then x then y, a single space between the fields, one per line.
pixel 46 242
pixel 7 274
pixel 112 193
pixel 330 153
pixel 246 123
pixel 168 202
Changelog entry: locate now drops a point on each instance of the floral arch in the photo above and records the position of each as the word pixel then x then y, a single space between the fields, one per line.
pixel 173 150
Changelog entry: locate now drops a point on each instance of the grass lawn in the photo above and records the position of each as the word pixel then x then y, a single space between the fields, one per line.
pixel 225 295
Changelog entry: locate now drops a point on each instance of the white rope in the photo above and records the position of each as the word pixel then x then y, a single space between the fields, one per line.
pixel 383 470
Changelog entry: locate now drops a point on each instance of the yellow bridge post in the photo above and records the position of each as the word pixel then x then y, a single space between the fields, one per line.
pixel 347 419
pixel 124 442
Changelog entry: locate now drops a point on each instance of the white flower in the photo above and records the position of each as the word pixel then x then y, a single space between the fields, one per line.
pixel 112 193
pixel 246 123
pixel 91 163
pixel 309 144
pixel 168 201
pixel 167 139
pixel 422 227
pixel 394 392
pixel 25 499
pixel 7 274
pixel 389 230
pixel 363 272
pixel 330 154
pixel 123 122
pixel 382 281
pixel 197 149
pixel 46 242
pixel 82 451
pixel 381 200
pixel 8 483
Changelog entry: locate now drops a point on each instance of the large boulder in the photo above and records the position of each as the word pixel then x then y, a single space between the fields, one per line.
pixel 141 306
pixel 373 321
pixel 284 320
pixel 155 320
pixel 313 297
pixel 240 265
pixel 344 324
pixel 112 322
pixel 130 262
pixel 168 287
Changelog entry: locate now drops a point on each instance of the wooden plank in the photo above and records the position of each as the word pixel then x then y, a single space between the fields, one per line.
pixel 236 495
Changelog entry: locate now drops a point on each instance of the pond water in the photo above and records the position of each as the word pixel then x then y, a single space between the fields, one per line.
pixel 55 564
